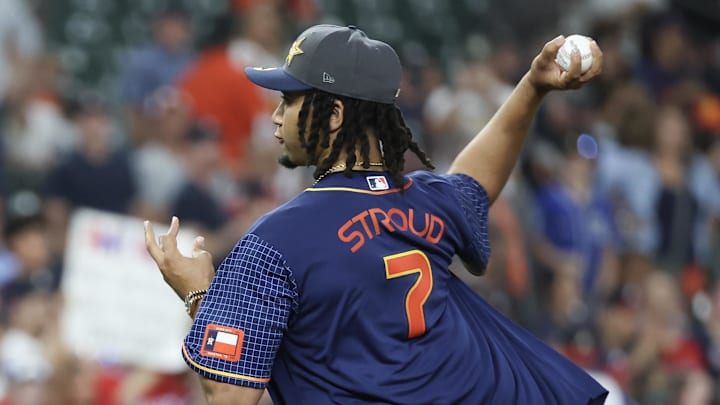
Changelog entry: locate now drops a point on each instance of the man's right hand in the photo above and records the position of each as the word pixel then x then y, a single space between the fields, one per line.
pixel 491 156
pixel 545 74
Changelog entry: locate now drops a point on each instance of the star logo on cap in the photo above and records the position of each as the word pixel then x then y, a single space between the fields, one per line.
pixel 294 51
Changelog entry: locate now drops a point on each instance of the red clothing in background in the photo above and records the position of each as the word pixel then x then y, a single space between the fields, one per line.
pixel 220 93
pixel 170 389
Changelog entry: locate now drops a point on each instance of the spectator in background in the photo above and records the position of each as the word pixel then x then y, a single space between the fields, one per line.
pixel 158 164
pixel 660 58
pixel 649 346
pixel 428 77
pixel 711 331
pixel 560 118
pixel 666 58
pixel 197 200
pixel 625 130
pixel 676 205
pixel 305 12
pixel 29 285
pixel 617 63
pixel 567 322
pixel 618 325
pixel 29 246
pixel 711 255
pixel 36 132
pixel 669 204
pixel 24 358
pixel 577 233
pixel 194 200
pixel 454 112
pixel 95 176
pixel 155 64
pixel 705 112
pixel 9 265
pixel 666 361
pixel 220 93
pixel 686 195
pixel 20 38
pixel 574 249
pixel 258 43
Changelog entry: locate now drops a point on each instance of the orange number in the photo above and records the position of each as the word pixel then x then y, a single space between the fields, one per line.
pixel 404 264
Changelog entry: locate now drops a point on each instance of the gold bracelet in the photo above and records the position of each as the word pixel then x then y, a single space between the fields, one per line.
pixel 191 297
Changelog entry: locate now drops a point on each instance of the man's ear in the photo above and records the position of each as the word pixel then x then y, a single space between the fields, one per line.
pixel 336 118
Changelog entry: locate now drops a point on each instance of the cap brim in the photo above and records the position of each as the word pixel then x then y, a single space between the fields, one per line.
pixel 275 79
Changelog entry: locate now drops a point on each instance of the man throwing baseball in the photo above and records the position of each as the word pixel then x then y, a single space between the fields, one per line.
pixel 343 295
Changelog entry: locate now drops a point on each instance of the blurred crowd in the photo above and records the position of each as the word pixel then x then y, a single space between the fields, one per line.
pixel 606 240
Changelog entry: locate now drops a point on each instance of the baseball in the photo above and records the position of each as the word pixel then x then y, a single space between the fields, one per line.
pixel 582 43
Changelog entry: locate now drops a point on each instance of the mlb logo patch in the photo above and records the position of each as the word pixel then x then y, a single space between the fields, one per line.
pixel 377 183
pixel 222 342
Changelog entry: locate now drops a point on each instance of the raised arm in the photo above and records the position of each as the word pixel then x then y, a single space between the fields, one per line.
pixel 490 157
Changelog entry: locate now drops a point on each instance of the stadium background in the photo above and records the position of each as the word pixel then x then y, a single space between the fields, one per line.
pixel 606 241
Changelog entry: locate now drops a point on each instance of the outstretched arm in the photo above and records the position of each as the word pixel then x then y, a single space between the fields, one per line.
pixel 490 157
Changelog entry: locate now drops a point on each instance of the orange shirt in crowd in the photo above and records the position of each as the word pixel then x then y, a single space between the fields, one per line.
pixel 220 93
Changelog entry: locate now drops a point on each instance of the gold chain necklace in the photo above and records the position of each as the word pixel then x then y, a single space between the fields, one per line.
pixel 342 166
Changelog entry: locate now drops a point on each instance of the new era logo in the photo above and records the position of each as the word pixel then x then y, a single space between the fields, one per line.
pixel 327 78
pixel 222 342
pixel 377 183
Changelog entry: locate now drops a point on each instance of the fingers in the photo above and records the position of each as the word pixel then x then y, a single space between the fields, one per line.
pixel 174 227
pixel 198 246
pixel 575 69
pixel 551 49
pixel 597 63
pixel 546 73
pixel 168 242
pixel 151 244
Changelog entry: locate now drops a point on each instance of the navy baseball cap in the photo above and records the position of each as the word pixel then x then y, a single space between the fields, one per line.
pixel 337 60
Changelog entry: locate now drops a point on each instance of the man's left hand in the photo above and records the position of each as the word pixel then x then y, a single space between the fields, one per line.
pixel 183 274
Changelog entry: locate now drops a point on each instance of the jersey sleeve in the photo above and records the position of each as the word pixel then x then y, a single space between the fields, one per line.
pixel 241 320
pixel 474 203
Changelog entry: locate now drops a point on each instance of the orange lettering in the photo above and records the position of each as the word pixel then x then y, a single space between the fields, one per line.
pixel 393 220
pixel 403 226
pixel 353 235
pixel 386 219
pixel 373 216
pixel 411 222
pixel 441 228
pixel 361 218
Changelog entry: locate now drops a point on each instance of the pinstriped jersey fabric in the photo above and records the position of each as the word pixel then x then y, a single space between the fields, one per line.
pixel 253 291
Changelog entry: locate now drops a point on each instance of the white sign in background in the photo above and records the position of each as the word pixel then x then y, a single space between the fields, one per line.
pixel 117 306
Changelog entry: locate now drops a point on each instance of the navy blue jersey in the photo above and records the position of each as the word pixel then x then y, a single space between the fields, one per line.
pixel 343 295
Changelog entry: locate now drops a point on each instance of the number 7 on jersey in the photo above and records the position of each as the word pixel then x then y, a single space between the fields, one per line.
pixel 404 264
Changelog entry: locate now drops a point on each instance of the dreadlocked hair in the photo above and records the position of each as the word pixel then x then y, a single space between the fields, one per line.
pixel 359 118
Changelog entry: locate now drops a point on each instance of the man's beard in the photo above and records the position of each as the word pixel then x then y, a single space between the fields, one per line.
pixel 285 161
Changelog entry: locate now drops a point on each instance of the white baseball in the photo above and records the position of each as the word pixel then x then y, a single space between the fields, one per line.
pixel 582 43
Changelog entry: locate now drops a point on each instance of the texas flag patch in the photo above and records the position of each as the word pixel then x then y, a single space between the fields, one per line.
pixel 377 183
pixel 222 342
